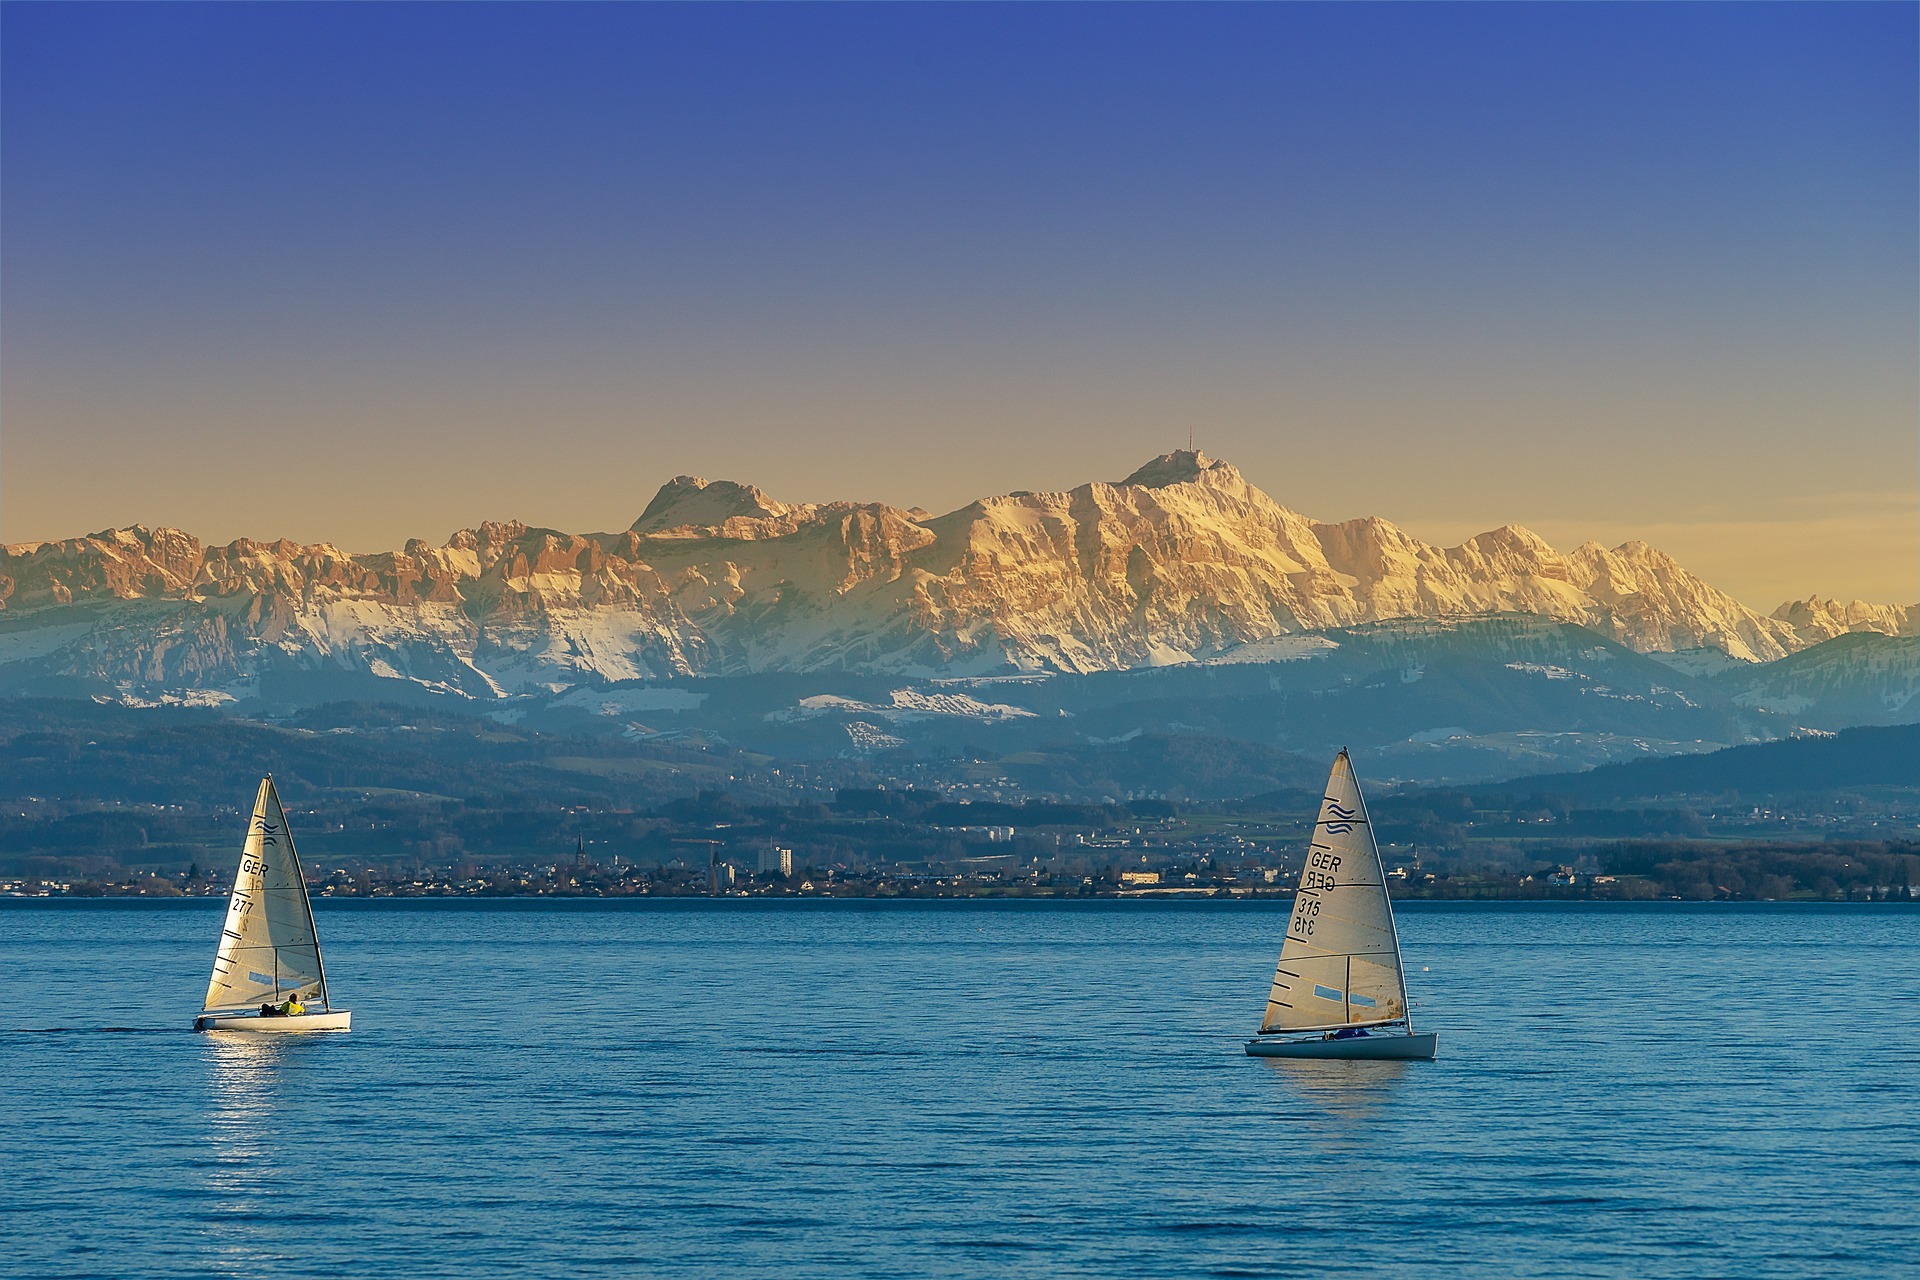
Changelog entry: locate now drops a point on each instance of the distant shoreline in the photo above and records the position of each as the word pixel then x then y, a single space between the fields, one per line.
pixel 1275 902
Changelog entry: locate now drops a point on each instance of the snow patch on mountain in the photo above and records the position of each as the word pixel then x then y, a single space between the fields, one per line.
pixel 621 702
pixel 908 703
pixel 1699 662
pixel 1276 649
pixel 903 706
pixel 871 737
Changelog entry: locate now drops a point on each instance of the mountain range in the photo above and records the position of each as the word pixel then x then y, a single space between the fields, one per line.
pixel 1181 562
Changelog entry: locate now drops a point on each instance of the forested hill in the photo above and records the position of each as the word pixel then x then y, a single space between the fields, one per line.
pixel 1846 761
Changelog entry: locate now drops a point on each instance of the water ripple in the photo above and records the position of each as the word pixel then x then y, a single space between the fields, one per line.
pixel 962 1089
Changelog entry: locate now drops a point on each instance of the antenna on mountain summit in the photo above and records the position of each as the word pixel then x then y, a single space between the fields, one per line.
pixel 1189 437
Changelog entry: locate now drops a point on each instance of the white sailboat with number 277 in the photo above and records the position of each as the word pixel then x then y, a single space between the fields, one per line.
pixel 1339 990
pixel 267 967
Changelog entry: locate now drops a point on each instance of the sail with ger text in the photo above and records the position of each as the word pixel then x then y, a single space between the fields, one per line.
pixel 268 949
pixel 1340 965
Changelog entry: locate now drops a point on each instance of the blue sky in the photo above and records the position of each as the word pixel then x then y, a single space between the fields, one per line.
pixel 1609 271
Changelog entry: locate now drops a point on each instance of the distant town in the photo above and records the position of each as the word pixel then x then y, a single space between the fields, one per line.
pixel 881 845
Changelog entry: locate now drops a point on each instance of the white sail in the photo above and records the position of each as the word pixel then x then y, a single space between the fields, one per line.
pixel 268 948
pixel 1340 965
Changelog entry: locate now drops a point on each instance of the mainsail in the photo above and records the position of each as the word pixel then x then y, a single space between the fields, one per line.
pixel 268 948
pixel 1340 965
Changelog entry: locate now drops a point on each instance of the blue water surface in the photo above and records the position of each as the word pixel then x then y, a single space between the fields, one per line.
pixel 812 1088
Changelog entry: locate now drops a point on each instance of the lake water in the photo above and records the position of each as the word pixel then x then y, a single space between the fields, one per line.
pixel 961 1089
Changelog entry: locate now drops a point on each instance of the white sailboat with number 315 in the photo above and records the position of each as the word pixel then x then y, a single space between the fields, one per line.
pixel 1339 991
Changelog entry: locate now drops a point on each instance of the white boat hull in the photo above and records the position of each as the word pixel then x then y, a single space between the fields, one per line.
pixel 290 1024
pixel 1419 1048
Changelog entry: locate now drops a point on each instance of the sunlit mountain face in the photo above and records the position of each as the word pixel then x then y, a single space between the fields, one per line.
pixel 1182 562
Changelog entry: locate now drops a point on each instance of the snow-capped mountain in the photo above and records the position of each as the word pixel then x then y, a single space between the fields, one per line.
pixel 1815 619
pixel 1184 560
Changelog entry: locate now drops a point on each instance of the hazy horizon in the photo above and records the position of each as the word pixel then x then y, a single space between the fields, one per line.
pixel 360 274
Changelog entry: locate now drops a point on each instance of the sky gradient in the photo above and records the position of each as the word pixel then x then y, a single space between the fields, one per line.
pixel 362 273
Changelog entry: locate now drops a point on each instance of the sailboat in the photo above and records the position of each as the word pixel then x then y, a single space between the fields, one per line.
pixel 1339 990
pixel 269 950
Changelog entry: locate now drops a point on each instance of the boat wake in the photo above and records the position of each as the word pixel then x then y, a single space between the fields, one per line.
pixel 91 1031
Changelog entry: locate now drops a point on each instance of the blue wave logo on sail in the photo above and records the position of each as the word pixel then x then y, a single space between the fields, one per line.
pixel 1338 828
pixel 1339 810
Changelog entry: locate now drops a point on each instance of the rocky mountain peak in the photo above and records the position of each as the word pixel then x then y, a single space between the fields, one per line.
pixel 1817 619
pixel 694 502
pixel 495 533
pixel 1182 466
pixel 1511 538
